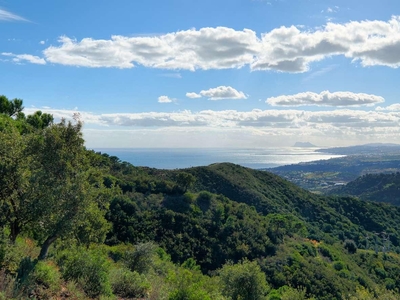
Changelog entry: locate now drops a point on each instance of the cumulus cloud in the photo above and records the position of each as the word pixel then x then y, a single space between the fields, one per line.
pixel 8 16
pixel 20 58
pixel 219 93
pixel 284 49
pixel 223 92
pixel 193 95
pixel 42 42
pixel 165 99
pixel 326 98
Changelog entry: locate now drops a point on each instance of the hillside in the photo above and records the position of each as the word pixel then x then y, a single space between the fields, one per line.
pixel 246 213
pixel 84 225
pixel 374 187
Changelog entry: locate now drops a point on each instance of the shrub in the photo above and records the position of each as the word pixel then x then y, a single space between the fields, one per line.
pixel 244 280
pixel 128 284
pixel 338 265
pixel 351 246
pixel 141 258
pixel 47 275
pixel 189 285
pixel 8 287
pixel 89 269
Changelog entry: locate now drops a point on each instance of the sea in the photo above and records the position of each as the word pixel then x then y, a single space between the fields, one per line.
pixel 180 158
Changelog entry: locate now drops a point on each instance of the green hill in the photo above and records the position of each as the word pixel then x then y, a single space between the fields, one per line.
pixel 232 213
pixel 84 225
pixel 374 187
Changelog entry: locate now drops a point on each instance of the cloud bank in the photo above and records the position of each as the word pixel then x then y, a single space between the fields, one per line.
pixel 341 120
pixel 283 49
pixel 326 98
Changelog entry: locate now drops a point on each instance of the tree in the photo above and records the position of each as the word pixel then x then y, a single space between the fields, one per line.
pixel 47 185
pixel 15 170
pixel 70 191
pixel 40 120
pixel 185 180
pixel 244 280
pixel 10 107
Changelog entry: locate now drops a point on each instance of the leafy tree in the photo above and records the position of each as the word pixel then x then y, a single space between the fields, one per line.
pixel 16 195
pixel 70 191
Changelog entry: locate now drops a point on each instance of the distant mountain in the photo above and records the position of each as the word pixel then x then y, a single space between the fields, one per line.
pixel 373 187
pixel 303 144
pixel 375 148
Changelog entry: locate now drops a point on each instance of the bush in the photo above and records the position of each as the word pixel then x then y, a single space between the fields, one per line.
pixel 128 284
pixel 338 265
pixel 89 269
pixel 8 287
pixel 351 246
pixel 47 275
pixel 141 258
pixel 22 249
pixel 244 280
pixel 189 285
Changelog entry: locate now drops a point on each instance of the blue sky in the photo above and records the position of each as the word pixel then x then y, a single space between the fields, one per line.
pixel 239 73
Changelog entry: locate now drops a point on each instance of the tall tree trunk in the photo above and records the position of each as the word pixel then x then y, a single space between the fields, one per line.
pixel 45 247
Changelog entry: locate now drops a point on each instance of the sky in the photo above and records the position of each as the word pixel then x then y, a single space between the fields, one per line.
pixel 189 73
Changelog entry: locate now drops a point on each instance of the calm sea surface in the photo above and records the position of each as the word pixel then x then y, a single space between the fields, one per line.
pixel 168 158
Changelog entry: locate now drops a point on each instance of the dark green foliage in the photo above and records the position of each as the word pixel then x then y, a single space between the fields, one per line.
pixel 351 246
pixel 10 107
pixel 226 230
pixel 185 180
pixel 374 187
pixel 40 120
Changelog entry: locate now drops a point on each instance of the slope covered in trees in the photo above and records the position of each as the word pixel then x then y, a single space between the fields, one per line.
pixel 374 187
pixel 83 225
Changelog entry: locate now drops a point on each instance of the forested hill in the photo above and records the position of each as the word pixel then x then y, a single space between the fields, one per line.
pixel 374 187
pixel 84 225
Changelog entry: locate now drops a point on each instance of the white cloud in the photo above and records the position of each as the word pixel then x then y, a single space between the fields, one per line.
pixel 193 95
pixel 326 98
pixel 20 58
pixel 273 119
pixel 219 93
pixel 8 16
pixel 240 128
pixel 42 42
pixel 284 49
pixel 393 107
pixel 165 99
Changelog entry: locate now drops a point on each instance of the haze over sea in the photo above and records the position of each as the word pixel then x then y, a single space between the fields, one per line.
pixel 177 158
